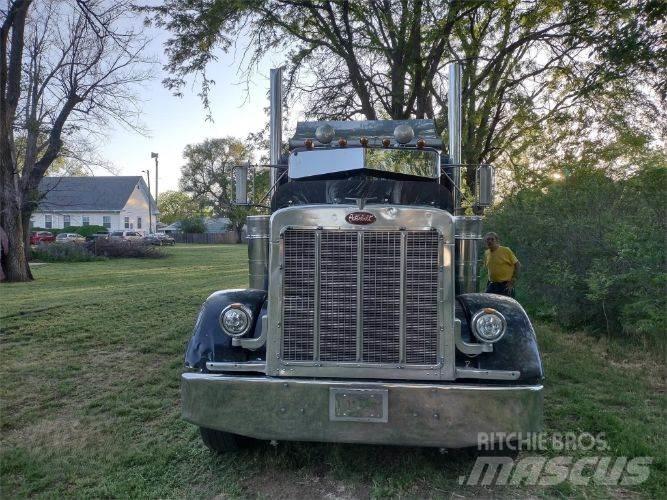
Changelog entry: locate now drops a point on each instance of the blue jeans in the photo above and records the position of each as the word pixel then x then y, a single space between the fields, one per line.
pixel 499 288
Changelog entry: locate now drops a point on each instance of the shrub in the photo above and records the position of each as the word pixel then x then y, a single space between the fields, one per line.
pixel 193 225
pixel 592 250
pixel 124 249
pixel 63 252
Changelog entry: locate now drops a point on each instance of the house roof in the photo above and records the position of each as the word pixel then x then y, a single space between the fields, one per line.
pixel 94 194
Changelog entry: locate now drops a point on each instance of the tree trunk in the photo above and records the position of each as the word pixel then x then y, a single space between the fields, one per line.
pixel 16 260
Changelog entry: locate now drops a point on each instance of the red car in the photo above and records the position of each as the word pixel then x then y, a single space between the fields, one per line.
pixel 37 237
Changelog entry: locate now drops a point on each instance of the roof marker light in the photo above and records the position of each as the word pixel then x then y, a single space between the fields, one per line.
pixel 325 133
pixel 404 133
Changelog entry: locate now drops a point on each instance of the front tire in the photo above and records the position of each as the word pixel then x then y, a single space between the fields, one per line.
pixel 222 442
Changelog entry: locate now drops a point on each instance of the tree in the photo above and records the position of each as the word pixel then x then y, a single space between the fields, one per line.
pixel 527 65
pixel 207 176
pixel 176 206
pixel 66 69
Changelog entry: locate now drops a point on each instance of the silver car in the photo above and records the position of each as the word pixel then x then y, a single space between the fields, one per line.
pixel 70 238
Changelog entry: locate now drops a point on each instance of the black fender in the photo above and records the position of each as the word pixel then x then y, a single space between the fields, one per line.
pixel 210 343
pixel 517 350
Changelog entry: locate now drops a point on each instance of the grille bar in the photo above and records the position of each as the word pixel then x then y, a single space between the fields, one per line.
pixel 360 296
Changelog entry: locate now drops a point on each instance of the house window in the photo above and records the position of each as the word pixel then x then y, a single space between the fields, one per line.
pixel 127 222
pixel 48 221
pixel 86 220
pixel 138 222
pixel 106 221
pixel 66 221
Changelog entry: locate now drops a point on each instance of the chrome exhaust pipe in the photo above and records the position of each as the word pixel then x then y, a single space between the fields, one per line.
pixel 454 118
pixel 258 251
pixel 275 123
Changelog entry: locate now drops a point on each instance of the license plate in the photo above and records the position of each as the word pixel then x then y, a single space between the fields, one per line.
pixel 358 405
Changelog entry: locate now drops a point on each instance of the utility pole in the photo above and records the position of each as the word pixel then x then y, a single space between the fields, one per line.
pixel 155 155
pixel 150 217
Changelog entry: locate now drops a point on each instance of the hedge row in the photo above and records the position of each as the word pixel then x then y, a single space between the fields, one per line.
pixel 592 250
pixel 96 250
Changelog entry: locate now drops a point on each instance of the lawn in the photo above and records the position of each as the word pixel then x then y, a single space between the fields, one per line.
pixel 90 360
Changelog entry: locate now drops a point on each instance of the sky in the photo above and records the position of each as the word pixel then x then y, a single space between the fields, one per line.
pixel 174 122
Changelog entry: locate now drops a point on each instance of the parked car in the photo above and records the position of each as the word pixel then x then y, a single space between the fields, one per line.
pixel 70 238
pixel 98 236
pixel 126 235
pixel 159 239
pixel 37 237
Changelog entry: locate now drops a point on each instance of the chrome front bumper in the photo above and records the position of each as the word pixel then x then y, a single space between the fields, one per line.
pixel 417 414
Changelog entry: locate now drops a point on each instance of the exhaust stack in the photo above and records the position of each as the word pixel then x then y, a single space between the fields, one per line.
pixel 275 123
pixel 468 229
pixel 258 251
pixel 454 118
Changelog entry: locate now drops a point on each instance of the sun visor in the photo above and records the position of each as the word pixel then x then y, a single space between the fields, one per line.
pixel 373 130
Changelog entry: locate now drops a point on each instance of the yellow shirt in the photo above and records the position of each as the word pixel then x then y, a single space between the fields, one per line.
pixel 500 264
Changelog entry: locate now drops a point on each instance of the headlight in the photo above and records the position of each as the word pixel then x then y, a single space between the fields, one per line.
pixel 235 320
pixel 489 325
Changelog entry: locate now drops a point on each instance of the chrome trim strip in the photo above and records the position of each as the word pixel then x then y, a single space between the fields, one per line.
pixel 360 299
pixel 231 366
pixel 403 254
pixel 452 386
pixel 448 315
pixel 316 295
pixel 487 374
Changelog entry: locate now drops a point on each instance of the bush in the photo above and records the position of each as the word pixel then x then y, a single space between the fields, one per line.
pixel 124 249
pixel 95 250
pixel 592 250
pixel 193 225
pixel 82 230
pixel 63 252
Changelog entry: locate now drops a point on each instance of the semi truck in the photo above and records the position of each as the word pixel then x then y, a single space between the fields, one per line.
pixel 363 322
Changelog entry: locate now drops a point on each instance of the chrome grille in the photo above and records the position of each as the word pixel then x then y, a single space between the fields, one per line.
pixel 360 296
pixel 381 296
pixel 421 291
pixel 338 296
pixel 299 295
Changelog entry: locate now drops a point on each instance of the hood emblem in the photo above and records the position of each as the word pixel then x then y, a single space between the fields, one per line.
pixel 360 218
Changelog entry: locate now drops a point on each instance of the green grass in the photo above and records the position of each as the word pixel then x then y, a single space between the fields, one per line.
pixel 90 360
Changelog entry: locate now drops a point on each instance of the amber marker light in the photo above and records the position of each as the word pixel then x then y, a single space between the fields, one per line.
pixel 342 142
pixel 386 143
pixel 363 141
pixel 308 143
pixel 421 143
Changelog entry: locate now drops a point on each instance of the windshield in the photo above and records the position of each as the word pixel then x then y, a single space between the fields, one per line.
pixel 408 161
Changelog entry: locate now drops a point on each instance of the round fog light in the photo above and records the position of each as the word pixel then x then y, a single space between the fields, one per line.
pixel 489 325
pixel 235 320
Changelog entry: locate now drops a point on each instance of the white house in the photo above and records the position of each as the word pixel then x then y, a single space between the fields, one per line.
pixel 115 202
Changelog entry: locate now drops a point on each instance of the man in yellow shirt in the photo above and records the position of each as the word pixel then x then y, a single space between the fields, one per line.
pixel 503 266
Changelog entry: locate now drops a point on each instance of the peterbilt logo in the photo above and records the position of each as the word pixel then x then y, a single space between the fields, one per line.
pixel 360 218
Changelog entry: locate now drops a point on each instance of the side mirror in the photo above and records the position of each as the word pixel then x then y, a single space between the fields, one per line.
pixel 485 185
pixel 241 185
